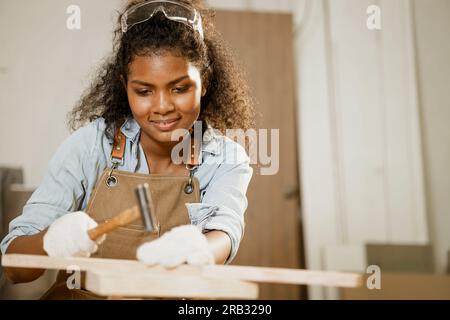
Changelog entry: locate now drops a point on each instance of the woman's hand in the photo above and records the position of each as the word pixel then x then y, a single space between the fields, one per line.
pixel 185 244
pixel 68 236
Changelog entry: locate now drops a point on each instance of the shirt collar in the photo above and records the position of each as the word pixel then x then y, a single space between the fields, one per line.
pixel 131 129
pixel 210 143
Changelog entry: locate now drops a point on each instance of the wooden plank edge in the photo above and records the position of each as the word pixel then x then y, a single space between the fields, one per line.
pixel 245 273
pixel 149 285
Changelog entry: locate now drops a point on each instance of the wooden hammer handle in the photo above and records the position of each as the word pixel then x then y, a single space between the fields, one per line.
pixel 120 220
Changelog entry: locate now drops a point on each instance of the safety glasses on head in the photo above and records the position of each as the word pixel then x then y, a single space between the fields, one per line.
pixel 175 11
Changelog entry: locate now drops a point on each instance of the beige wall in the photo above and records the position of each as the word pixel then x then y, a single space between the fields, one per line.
pixel 254 5
pixel 433 60
pixel 44 67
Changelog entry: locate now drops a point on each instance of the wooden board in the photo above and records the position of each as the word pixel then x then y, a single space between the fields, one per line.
pixel 125 268
pixel 155 285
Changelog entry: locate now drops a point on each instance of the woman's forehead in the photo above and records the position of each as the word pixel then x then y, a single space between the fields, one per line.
pixel 162 67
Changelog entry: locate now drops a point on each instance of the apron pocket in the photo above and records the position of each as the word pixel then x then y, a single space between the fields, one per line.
pixel 123 242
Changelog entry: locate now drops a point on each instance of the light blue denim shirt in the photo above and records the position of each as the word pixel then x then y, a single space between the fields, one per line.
pixel 224 175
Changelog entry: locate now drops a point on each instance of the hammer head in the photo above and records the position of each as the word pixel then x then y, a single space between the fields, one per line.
pixel 146 207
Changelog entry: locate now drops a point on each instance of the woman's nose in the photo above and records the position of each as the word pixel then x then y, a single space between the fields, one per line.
pixel 163 103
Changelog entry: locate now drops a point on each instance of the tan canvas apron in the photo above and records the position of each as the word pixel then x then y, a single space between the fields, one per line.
pixel 114 192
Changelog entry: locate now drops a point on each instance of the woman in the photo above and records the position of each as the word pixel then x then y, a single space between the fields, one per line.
pixel 169 71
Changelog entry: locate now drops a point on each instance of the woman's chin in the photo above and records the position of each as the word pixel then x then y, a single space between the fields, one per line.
pixel 161 137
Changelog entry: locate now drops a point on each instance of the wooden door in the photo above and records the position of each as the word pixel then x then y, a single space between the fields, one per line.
pixel 263 43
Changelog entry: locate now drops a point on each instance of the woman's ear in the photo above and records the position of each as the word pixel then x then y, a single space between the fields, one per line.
pixel 205 83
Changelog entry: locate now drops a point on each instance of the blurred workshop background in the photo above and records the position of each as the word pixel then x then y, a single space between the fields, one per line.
pixel 360 90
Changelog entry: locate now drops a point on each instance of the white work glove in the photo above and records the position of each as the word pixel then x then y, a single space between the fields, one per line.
pixel 68 236
pixel 185 244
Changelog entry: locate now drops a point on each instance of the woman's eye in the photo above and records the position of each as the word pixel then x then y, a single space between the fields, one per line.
pixel 180 89
pixel 143 92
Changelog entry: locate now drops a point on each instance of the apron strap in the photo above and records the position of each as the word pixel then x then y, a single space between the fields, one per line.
pixel 194 157
pixel 118 149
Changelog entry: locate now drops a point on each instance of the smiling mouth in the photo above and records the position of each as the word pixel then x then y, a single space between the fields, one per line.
pixel 165 125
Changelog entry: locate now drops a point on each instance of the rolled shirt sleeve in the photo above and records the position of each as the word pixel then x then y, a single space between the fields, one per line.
pixel 224 200
pixel 61 191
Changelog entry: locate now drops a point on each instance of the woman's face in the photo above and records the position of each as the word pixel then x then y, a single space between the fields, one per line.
pixel 164 93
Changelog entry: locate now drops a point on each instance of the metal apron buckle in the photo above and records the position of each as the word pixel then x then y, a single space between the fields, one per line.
pixel 112 181
pixel 189 188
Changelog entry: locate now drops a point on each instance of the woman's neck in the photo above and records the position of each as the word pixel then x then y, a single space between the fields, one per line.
pixel 158 154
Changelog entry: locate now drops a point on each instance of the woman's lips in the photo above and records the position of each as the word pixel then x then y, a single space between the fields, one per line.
pixel 165 125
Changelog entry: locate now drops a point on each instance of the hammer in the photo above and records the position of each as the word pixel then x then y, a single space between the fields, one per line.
pixel 144 210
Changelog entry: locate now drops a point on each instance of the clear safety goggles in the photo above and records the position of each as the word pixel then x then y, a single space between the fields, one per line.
pixel 172 10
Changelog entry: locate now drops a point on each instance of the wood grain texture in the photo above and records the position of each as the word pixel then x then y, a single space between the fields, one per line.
pixel 124 268
pixel 154 285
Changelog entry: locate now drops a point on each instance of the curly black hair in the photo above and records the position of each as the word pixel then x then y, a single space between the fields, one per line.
pixel 227 103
